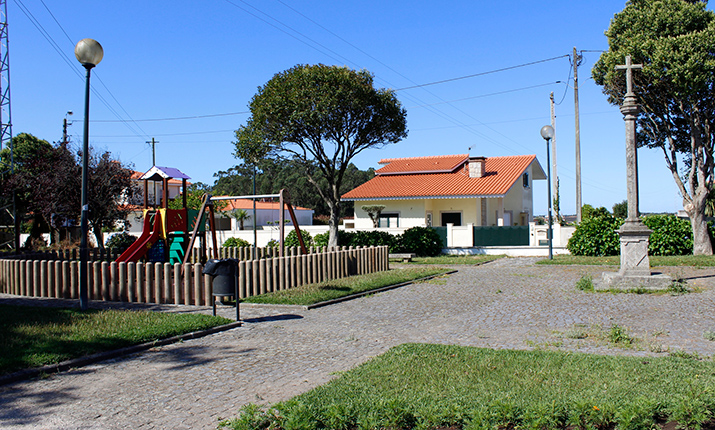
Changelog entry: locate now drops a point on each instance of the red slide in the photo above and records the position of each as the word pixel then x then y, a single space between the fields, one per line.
pixel 148 237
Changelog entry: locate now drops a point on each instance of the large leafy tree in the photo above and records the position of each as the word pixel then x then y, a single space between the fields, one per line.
pixel 321 117
pixel 675 42
pixel 47 182
pixel 110 189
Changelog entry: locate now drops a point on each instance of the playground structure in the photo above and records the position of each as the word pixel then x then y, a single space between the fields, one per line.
pixel 165 236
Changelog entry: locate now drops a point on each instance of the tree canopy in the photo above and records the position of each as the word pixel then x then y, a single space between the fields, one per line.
pixel 674 40
pixel 47 182
pixel 321 117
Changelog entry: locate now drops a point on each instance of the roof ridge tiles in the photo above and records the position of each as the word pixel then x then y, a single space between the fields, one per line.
pixel 390 160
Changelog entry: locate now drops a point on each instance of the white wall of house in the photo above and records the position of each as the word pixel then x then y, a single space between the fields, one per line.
pixel 270 217
pixel 411 213
pixel 516 208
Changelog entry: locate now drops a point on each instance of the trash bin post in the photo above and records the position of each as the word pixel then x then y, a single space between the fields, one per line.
pixel 224 275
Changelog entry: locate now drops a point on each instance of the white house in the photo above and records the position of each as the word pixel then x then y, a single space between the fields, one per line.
pixel 450 189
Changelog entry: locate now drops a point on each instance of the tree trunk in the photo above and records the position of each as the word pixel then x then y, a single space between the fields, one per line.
pixel 695 208
pixel 701 236
pixel 333 224
pixel 99 237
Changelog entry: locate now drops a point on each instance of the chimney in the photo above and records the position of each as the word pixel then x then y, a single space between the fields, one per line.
pixel 476 167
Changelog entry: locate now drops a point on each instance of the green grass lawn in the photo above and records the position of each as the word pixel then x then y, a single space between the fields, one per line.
pixel 456 259
pixel 615 260
pixel 35 336
pixel 449 387
pixel 329 290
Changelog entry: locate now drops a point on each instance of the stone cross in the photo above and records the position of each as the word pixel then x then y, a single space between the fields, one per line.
pixel 628 67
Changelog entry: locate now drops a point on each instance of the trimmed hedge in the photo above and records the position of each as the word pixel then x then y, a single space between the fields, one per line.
pixel 671 235
pixel 598 236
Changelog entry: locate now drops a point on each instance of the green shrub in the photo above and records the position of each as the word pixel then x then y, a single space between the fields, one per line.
pixel 423 241
pixel 596 236
pixel 292 239
pixel 234 242
pixel 321 239
pixel 120 242
pixel 671 235
pixel 366 238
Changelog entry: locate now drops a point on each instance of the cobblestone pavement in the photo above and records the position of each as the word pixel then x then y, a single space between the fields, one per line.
pixel 282 351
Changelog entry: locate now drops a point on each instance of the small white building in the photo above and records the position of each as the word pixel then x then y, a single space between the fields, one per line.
pixel 450 189
pixel 267 214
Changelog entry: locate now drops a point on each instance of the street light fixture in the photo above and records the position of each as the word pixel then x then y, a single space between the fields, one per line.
pixel 547 132
pixel 89 53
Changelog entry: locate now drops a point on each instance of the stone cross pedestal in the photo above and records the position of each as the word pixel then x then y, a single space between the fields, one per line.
pixel 635 266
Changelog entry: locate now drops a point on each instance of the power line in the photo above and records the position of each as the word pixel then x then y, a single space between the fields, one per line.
pixel 489 94
pixel 25 10
pixel 503 69
pixel 179 118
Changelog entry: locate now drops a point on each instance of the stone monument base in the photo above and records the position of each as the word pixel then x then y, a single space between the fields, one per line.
pixel 617 281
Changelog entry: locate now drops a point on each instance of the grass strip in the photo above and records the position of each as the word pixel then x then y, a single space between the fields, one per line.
pixel 457 259
pixel 330 290
pixel 442 386
pixel 36 336
pixel 615 260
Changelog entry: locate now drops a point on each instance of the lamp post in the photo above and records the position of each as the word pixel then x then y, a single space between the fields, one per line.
pixel 547 132
pixel 89 53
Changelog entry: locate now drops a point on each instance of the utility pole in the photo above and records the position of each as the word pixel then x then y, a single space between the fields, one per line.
pixel 153 151
pixel 576 61
pixel 555 179
pixel 64 129
pixel 153 163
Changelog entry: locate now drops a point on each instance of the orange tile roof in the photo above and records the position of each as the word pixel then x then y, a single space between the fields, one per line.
pixel 439 164
pixel 247 204
pixel 500 175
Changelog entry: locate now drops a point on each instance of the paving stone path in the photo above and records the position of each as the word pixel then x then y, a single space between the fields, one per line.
pixel 282 351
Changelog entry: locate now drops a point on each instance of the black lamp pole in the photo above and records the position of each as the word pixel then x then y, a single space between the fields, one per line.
pixel 547 132
pixel 89 53
pixel 83 294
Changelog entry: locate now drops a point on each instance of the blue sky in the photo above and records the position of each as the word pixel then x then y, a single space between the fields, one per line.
pixel 204 61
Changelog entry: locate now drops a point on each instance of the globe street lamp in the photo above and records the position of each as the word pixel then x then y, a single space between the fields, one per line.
pixel 89 53
pixel 547 132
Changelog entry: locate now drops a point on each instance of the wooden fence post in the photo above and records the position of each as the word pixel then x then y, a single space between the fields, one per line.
pixel 158 282
pixel 208 290
pixel 167 283
pixel 123 281
pixel 58 278
pixel 187 283
pixel 198 297
pixel 242 281
pixel 103 269
pixel 114 293
pixel 177 284
pixel 140 282
pixel 255 278
pixel 263 276
pixel 131 281
pixel 43 278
